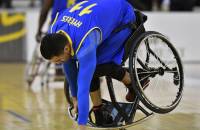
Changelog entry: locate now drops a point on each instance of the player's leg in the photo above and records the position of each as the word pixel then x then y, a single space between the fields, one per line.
pixel 121 74
pixel 130 96
pixel 108 69
pixel 102 117
pixel 112 52
pixel 95 93
pixel 116 72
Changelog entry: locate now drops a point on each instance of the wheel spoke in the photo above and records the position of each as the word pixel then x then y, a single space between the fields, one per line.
pixel 148 53
pixel 151 51
pixel 142 64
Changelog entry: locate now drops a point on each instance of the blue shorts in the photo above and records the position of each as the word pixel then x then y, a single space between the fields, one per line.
pixel 112 49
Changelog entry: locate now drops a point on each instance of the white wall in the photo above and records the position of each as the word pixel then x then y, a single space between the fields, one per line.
pixel 183 29
pixel 32 17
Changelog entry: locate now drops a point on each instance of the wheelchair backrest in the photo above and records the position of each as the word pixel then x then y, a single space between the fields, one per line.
pixel 137 31
pixel 140 18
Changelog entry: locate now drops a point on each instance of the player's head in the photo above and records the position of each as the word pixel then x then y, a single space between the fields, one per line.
pixel 55 47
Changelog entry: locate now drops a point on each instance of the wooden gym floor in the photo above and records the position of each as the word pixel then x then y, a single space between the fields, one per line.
pixel 45 108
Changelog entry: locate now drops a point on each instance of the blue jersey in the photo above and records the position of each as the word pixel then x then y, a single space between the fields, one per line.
pixel 88 26
pixel 88 15
pixel 59 5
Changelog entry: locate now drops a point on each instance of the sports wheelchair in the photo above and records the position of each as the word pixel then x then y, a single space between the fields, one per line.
pixel 159 61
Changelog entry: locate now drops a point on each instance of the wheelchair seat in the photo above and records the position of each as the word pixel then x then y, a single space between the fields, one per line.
pixel 140 19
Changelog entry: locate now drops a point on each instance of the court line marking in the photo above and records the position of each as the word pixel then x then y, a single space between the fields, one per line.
pixel 18 116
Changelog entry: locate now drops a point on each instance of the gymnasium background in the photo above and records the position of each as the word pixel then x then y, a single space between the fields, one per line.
pixel 25 108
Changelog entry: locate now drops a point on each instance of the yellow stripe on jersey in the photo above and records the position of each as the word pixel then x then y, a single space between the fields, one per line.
pixel 82 40
pixel 54 21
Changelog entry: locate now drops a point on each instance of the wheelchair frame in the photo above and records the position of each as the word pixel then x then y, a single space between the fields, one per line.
pixel 128 118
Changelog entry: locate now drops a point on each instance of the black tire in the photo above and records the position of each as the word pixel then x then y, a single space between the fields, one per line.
pixel 134 65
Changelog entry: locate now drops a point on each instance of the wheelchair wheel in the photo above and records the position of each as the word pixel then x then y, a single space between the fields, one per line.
pixel 36 67
pixel 157 72
pixel 32 67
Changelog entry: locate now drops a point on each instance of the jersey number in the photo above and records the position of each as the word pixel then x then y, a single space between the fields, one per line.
pixel 86 10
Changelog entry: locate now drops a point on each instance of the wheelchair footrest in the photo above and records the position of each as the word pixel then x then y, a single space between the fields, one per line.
pixel 118 120
pixel 120 126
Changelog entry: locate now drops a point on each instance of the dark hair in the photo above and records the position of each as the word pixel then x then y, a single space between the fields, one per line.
pixel 53 45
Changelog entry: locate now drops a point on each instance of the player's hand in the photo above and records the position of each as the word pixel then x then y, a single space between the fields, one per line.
pixel 75 103
pixel 38 36
pixel 82 127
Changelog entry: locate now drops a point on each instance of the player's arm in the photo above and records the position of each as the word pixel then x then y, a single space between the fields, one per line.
pixel 43 16
pixel 87 65
pixel 70 70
